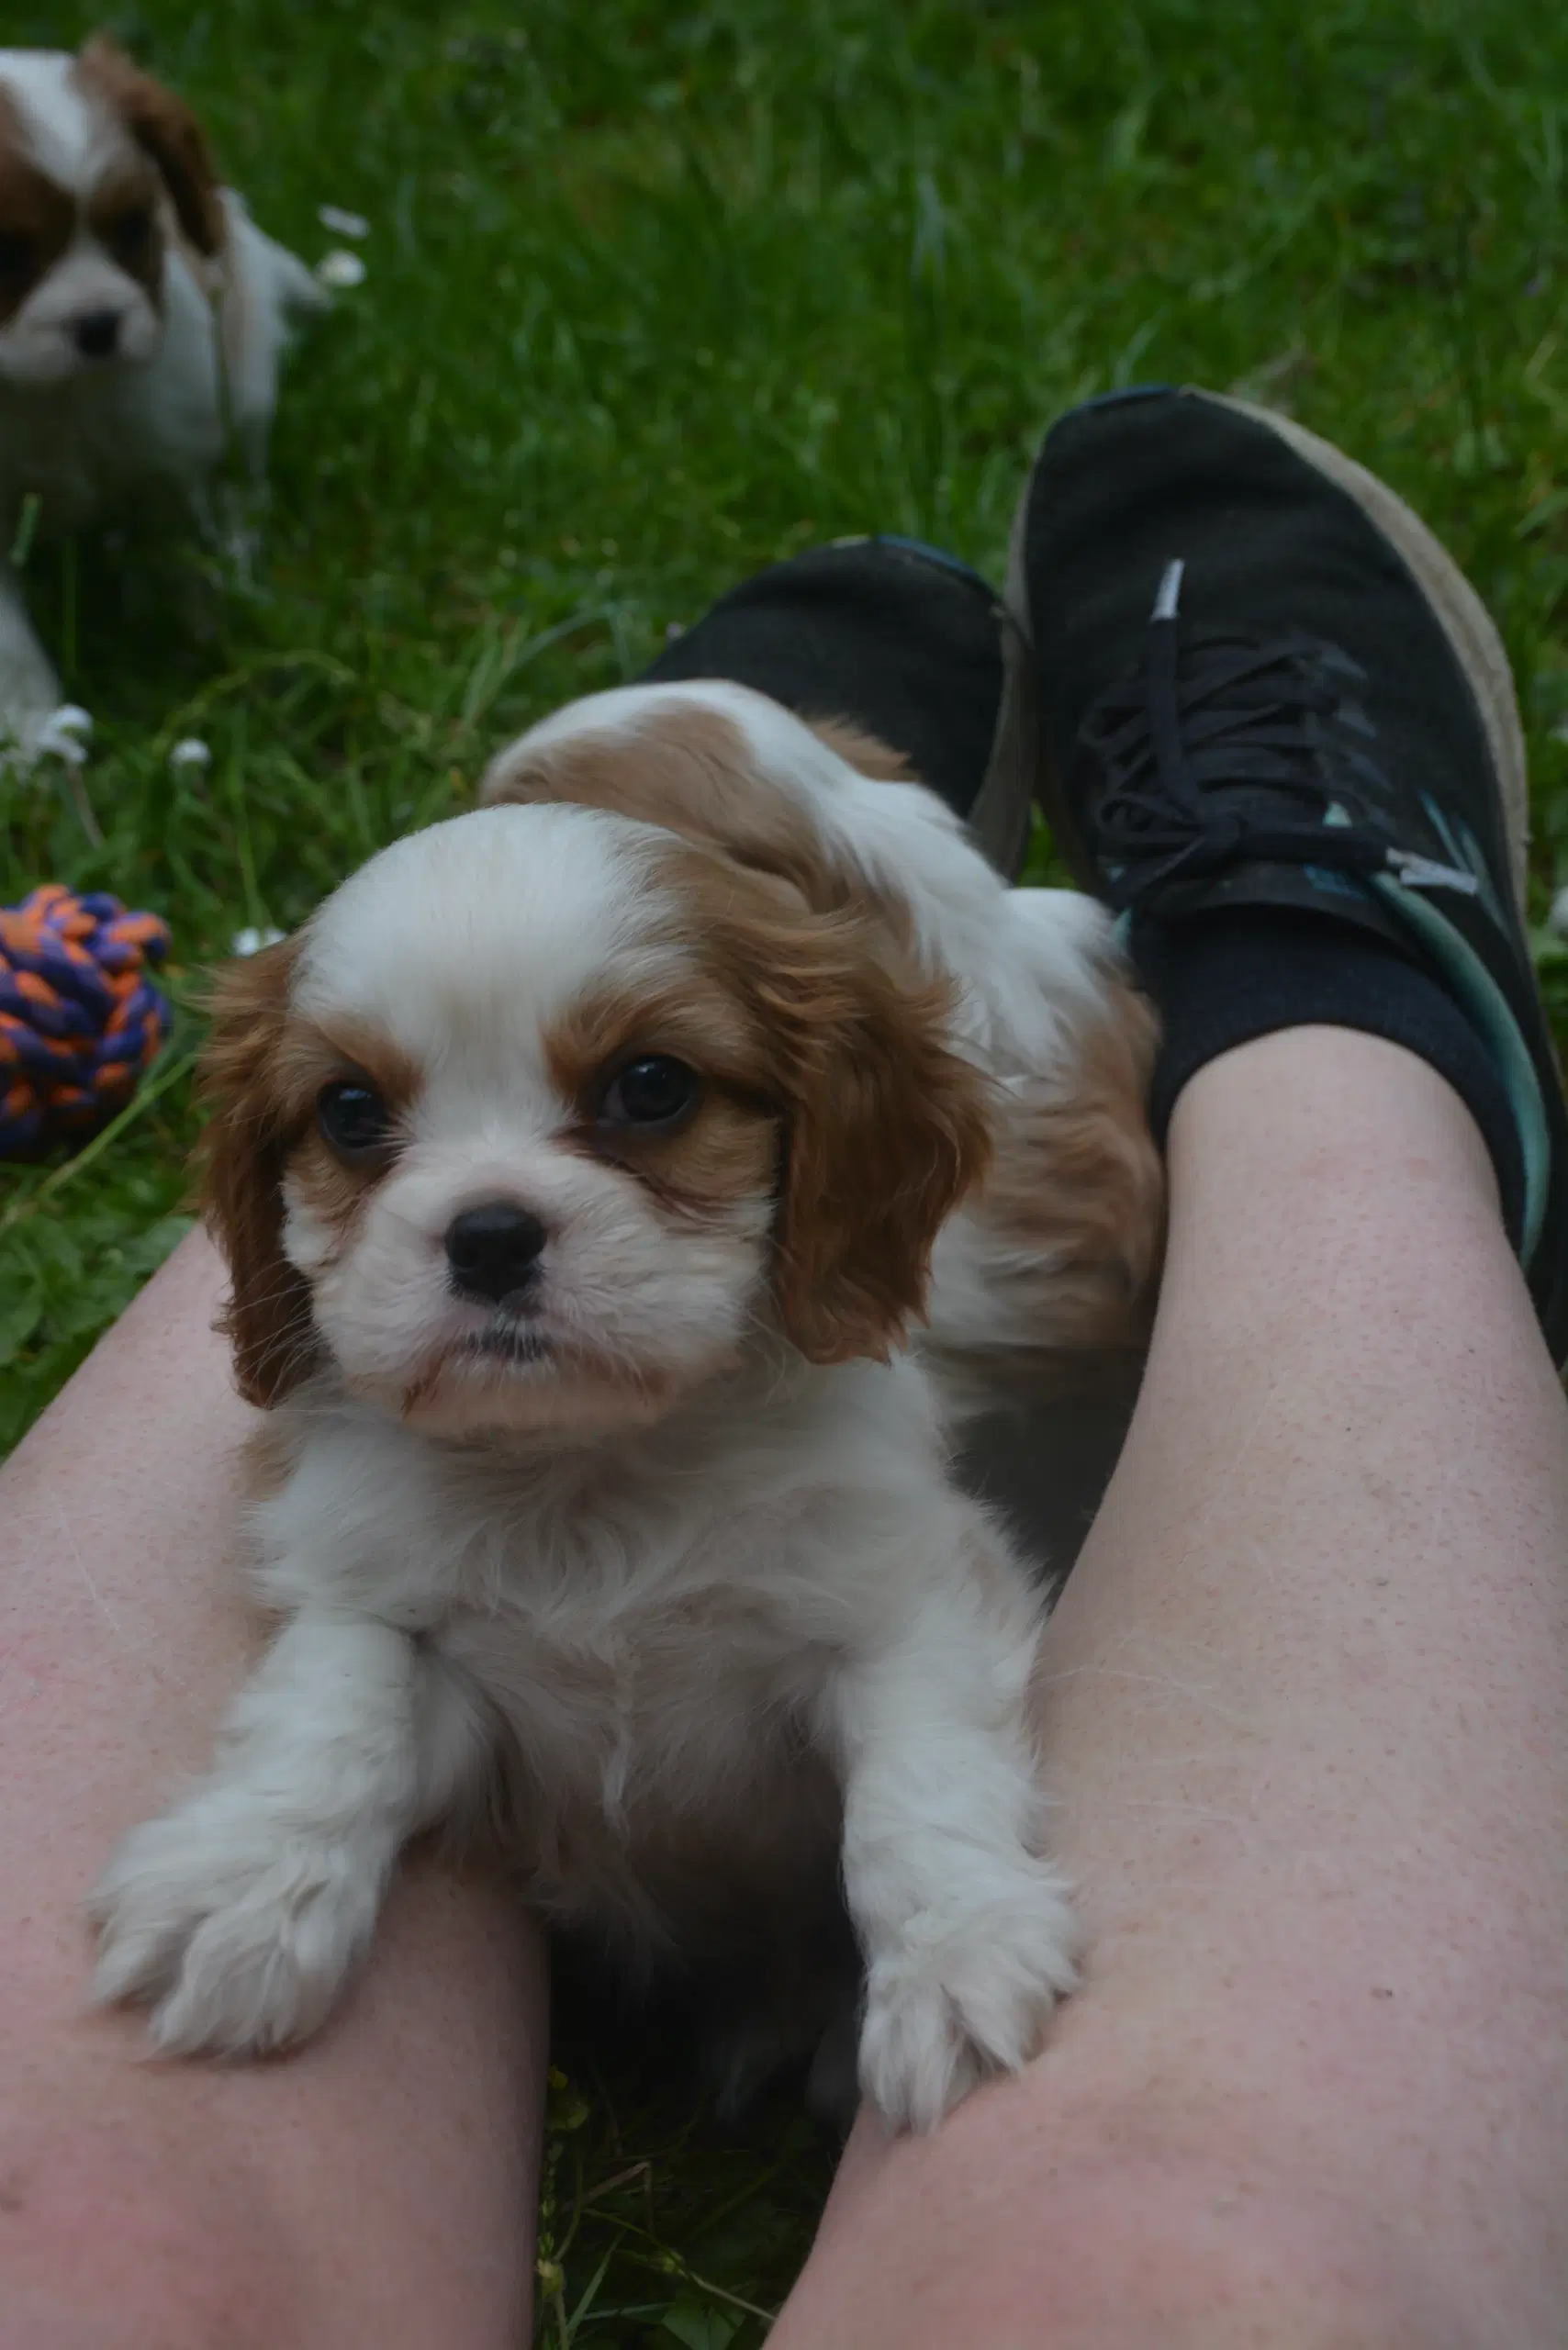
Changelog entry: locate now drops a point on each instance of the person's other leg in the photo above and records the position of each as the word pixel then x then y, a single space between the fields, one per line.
pixel 1307 1717
pixel 378 2186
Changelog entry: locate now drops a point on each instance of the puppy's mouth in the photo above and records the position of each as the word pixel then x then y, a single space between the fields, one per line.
pixel 512 1374
pixel 514 1346
pixel 512 1342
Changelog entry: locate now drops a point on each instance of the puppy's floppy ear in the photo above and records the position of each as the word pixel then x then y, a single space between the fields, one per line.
pixel 164 128
pixel 243 1153
pixel 886 1128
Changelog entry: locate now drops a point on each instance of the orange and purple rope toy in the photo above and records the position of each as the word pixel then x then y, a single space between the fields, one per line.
pixel 80 1019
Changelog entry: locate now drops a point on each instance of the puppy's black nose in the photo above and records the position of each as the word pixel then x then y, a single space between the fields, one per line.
pixel 494 1250
pixel 97 333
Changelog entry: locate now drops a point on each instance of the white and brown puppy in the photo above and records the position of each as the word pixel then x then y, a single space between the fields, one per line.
pixel 142 313
pixel 578 1185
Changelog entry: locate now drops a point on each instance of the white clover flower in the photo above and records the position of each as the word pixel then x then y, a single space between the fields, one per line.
pixel 189 752
pixel 340 223
pixel 65 733
pixel 251 941
pixel 338 271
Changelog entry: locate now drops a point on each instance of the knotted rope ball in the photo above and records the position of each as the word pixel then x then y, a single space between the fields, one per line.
pixel 80 1019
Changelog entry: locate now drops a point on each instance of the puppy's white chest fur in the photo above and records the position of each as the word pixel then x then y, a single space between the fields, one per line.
pixel 657 1761
pixel 651 1623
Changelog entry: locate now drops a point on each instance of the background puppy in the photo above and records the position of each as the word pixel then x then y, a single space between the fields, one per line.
pixel 579 1184
pixel 141 314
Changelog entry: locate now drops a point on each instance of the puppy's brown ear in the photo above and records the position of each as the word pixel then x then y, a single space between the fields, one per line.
pixel 165 130
pixel 886 1129
pixel 243 1153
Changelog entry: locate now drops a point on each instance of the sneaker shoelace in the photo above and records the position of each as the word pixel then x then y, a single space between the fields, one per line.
pixel 1223 744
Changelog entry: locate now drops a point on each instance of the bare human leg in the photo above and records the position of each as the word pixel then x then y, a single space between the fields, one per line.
pixel 1305 1707
pixel 377 2187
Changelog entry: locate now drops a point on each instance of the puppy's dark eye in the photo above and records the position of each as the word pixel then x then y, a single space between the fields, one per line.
pixel 131 233
pixel 353 1118
pixel 653 1092
pixel 15 256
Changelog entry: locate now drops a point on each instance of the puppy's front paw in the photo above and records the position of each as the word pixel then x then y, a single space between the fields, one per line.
pixel 236 1928
pixel 965 1991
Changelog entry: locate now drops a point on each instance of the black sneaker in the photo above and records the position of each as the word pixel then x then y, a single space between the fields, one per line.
pixel 907 642
pixel 1265 686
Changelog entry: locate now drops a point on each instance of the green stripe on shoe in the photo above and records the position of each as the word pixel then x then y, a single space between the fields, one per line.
pixel 1487 1007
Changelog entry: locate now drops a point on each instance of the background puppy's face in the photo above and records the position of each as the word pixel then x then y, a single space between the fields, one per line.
pixel 96 162
pixel 545 1108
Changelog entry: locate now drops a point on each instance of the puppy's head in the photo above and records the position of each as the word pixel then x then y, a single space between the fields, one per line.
pixel 1063 1253
pixel 546 1110
pixel 99 166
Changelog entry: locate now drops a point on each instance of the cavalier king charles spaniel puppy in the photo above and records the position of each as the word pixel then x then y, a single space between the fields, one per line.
pixel 142 316
pixel 583 1167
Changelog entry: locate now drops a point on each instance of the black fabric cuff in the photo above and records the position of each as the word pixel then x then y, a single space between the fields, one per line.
pixel 1228 976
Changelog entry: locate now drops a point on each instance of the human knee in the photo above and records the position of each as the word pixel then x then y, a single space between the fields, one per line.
pixel 103 2247
pixel 1107 2238
pixel 1174 2253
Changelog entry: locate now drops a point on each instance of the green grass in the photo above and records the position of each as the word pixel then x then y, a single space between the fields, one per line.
pixel 657 292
